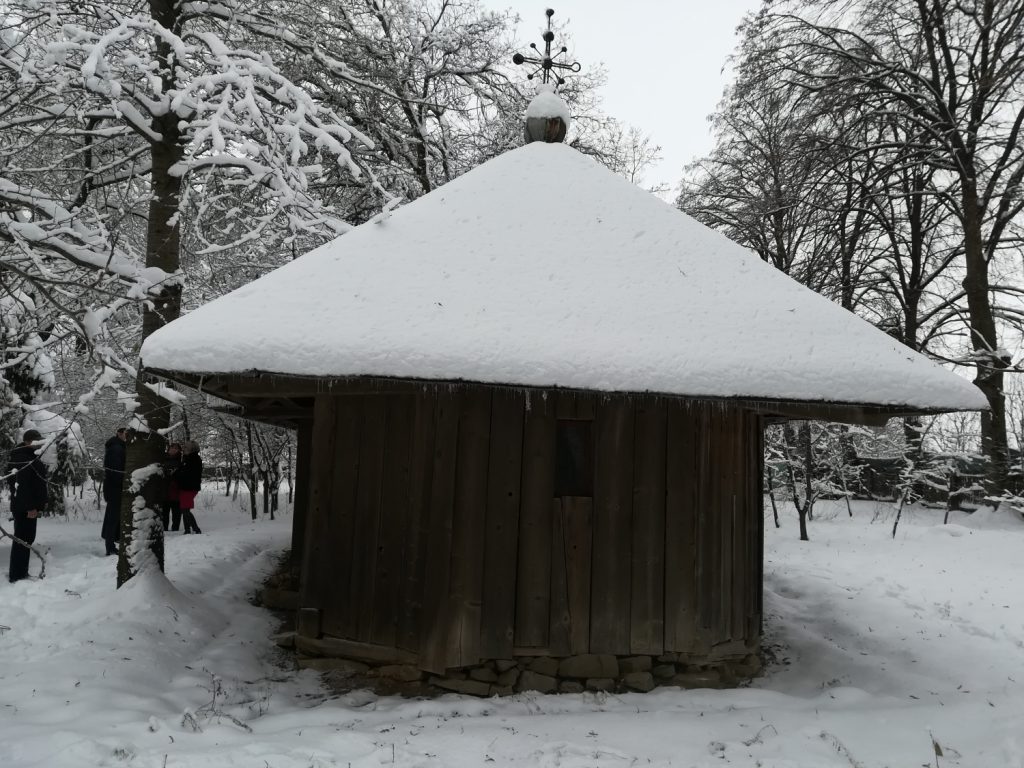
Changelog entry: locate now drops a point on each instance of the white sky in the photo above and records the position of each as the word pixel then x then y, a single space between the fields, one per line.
pixel 664 60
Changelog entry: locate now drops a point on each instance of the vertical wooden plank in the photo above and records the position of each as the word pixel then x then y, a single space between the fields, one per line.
pixel 336 537
pixel 613 501
pixel 533 572
pixel 740 524
pixel 313 586
pixel 468 528
pixel 586 405
pixel 720 523
pixel 647 601
pixel 706 497
pixel 366 520
pixel 570 404
pixel 395 491
pixel 577 542
pixel 561 620
pixel 501 550
pixel 348 426
pixel 756 520
pixel 724 473
pixel 437 557
pixel 757 528
pixel 680 529
pixel 300 505
pixel 415 525
pixel 565 403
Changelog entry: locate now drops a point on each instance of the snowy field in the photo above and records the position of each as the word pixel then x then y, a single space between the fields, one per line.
pixel 881 646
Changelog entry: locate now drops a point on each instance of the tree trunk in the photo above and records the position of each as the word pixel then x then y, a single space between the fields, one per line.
pixel 252 469
pixel 275 490
pixel 912 439
pixel 899 513
pixel 138 519
pixel 291 475
pixel 771 496
pixel 252 495
pixel 988 360
pixel 801 507
pixel 808 447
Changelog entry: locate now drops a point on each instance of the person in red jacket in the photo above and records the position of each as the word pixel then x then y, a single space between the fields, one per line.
pixel 27 483
pixel 190 479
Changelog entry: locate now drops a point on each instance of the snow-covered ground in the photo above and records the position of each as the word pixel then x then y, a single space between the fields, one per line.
pixel 882 645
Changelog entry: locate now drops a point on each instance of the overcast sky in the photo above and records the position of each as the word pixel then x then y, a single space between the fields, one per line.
pixel 664 60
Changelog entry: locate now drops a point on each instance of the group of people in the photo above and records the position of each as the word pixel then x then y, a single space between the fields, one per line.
pixel 173 492
pixel 175 488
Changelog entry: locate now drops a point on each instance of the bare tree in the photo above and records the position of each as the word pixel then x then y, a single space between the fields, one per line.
pixel 163 104
pixel 955 74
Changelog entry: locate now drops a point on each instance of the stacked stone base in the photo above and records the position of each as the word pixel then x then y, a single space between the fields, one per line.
pixel 595 672
pixel 543 674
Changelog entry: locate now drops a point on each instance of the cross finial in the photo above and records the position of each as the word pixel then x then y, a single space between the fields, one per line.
pixel 546 63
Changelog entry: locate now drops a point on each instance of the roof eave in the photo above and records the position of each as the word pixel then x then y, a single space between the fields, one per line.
pixel 243 388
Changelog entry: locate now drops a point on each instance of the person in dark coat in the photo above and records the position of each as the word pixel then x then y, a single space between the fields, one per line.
pixel 113 484
pixel 190 478
pixel 27 483
pixel 172 506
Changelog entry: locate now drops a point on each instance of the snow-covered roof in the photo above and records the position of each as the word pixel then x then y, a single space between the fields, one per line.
pixel 543 268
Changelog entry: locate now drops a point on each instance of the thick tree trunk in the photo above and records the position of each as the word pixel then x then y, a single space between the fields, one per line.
pixel 140 526
pixel 984 340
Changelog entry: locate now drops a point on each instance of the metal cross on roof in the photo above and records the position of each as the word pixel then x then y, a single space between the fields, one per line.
pixel 547 63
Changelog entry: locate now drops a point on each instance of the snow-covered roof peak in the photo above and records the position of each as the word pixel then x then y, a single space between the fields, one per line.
pixel 543 268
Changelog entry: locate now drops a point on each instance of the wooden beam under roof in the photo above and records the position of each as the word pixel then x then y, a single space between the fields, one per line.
pixel 242 388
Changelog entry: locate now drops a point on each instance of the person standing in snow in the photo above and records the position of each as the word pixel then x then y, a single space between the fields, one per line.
pixel 113 484
pixel 27 483
pixel 190 478
pixel 172 506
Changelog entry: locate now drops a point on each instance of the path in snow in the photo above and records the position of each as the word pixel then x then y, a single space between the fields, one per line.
pixel 886 642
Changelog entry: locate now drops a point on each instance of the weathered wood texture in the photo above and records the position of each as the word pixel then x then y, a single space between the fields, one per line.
pixel 533 577
pixel 432 525
pixel 613 509
pixel 300 507
pixel 501 521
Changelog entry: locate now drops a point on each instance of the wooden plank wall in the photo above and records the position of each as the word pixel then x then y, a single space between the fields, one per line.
pixel 303 463
pixel 533 577
pixel 432 525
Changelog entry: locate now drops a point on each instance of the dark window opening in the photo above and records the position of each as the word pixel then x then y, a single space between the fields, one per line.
pixel 574 454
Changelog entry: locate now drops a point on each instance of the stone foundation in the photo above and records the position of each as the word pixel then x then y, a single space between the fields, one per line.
pixel 544 674
pixel 348 665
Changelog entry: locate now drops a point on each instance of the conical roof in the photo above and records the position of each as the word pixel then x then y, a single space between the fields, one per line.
pixel 543 268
